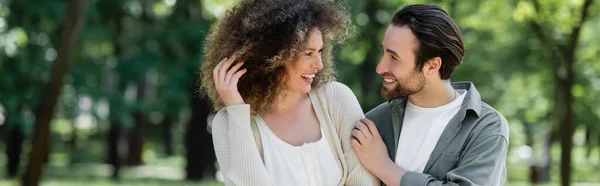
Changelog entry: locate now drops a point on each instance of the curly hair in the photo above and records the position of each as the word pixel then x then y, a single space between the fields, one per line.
pixel 266 34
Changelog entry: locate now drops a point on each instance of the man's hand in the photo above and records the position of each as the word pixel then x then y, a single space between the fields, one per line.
pixel 373 154
pixel 368 145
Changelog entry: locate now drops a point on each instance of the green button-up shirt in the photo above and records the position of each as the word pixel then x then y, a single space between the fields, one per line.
pixel 472 149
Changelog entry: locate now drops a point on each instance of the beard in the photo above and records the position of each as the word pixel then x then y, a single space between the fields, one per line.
pixel 410 85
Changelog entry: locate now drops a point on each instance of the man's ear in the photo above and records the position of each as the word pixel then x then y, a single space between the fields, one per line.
pixel 432 66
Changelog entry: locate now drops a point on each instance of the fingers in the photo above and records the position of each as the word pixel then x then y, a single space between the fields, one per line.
pixel 216 72
pixel 371 126
pixel 355 143
pixel 225 66
pixel 357 134
pixel 236 77
pixel 363 128
pixel 232 71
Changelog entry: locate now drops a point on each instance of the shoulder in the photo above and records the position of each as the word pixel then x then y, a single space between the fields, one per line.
pixel 332 87
pixel 382 109
pixel 491 122
pixel 230 116
pixel 381 115
pixel 334 91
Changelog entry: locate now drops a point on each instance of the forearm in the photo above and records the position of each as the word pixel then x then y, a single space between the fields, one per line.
pixel 390 173
pixel 358 175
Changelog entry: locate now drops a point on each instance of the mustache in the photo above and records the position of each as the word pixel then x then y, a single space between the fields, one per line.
pixel 388 74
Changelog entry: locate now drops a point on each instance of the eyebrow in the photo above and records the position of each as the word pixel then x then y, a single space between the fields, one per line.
pixel 313 49
pixel 394 53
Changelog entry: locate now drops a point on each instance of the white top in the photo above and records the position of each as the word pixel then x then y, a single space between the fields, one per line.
pixel 239 153
pixel 421 130
pixel 308 164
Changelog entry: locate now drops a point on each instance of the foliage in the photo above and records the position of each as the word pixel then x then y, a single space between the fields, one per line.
pixel 158 43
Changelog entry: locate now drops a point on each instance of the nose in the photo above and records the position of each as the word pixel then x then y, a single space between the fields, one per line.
pixel 381 69
pixel 318 63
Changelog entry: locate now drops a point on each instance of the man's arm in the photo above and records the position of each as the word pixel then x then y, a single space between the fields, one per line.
pixel 390 174
pixel 482 164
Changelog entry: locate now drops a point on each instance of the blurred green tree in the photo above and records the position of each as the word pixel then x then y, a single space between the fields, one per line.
pixel 73 23
pixel 558 29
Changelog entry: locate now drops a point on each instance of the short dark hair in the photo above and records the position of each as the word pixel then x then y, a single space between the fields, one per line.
pixel 437 36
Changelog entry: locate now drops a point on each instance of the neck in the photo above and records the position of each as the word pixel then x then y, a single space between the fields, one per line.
pixel 287 102
pixel 434 95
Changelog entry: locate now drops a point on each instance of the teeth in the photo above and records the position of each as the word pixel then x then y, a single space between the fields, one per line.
pixel 389 80
pixel 308 75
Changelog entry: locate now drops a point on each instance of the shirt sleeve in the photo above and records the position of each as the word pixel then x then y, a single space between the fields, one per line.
pixel 346 111
pixel 236 148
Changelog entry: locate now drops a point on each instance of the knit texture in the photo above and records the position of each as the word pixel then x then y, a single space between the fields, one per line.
pixel 238 153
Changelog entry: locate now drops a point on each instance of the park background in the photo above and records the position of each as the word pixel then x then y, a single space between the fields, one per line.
pixel 103 92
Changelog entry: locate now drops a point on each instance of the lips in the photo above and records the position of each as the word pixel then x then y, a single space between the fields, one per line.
pixel 389 79
pixel 308 76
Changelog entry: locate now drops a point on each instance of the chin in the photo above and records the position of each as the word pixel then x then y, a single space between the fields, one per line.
pixel 300 88
pixel 390 88
pixel 304 90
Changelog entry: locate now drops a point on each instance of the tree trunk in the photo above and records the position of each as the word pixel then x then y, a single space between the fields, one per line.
pixel 115 158
pixel 167 133
pixel 116 141
pixel 136 138
pixel 541 173
pixel 14 147
pixel 533 172
pixel 74 21
pixel 73 142
pixel 588 142
pixel 567 125
pixel 198 142
pixel 538 172
pixel 134 156
pixel 564 77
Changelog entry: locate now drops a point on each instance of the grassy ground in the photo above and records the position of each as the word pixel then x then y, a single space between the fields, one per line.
pixel 104 182
pixel 169 171
pixel 98 175
pixel 585 170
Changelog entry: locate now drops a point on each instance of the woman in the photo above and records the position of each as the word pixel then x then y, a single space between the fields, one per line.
pixel 282 119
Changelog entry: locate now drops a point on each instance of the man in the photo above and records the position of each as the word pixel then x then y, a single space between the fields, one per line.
pixel 430 131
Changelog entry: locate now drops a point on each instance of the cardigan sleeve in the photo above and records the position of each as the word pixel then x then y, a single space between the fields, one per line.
pixel 236 149
pixel 345 112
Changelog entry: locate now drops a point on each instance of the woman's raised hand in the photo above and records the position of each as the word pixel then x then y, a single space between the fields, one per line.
pixel 226 80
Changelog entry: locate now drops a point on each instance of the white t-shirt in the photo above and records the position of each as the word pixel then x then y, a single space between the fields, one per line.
pixel 308 164
pixel 421 130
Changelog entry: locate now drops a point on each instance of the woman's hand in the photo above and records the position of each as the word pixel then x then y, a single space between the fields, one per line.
pixel 226 81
